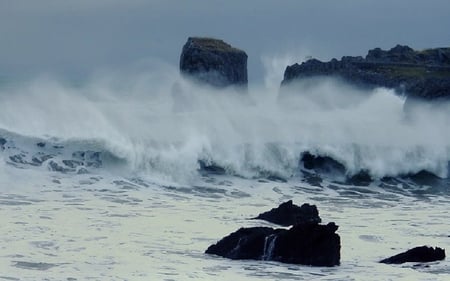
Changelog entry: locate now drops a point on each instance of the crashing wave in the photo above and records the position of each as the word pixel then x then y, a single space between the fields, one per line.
pixel 353 164
pixel 142 126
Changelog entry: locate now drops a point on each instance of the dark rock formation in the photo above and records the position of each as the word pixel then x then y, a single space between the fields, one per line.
pixel 321 164
pixel 327 166
pixel 422 75
pixel 290 214
pixel 315 168
pixel 214 62
pixel 418 254
pixel 308 244
pixel 245 243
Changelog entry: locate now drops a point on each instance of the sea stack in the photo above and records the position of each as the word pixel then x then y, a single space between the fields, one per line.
pixel 307 242
pixel 214 62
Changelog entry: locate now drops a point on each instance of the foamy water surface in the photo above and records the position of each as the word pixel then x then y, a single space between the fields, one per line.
pixel 99 227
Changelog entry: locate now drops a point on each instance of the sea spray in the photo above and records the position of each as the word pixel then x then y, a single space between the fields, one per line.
pixel 159 123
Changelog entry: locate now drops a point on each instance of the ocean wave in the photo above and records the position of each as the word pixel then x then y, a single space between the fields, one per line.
pixel 157 124
pixel 185 161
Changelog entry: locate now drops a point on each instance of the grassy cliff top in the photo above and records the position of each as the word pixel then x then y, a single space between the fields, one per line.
pixel 212 44
pixel 432 50
pixel 413 71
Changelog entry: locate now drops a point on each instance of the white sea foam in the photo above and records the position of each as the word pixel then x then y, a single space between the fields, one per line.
pixel 161 124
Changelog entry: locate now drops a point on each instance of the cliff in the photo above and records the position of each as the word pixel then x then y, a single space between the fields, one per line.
pixel 214 62
pixel 418 74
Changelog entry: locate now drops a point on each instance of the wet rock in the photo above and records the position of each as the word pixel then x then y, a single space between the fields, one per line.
pixel 327 166
pixel 308 244
pixel 287 214
pixel 245 243
pixel 421 75
pixel 418 254
pixel 214 62
pixel 322 164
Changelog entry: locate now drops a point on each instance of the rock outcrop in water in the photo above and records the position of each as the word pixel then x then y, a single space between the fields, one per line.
pixel 290 214
pixel 418 254
pixel 307 242
pixel 423 75
pixel 214 62
pixel 327 166
pixel 315 168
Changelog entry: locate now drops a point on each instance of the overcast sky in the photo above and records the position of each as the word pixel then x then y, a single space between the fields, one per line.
pixel 79 36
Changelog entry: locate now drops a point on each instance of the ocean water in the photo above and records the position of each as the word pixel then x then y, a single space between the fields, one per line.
pixel 131 176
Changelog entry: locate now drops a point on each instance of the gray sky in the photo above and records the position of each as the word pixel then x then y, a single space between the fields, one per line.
pixel 73 37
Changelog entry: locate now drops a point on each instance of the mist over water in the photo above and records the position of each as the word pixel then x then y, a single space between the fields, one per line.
pixel 161 124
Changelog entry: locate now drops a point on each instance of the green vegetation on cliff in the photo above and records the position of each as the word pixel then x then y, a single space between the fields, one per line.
pixel 420 74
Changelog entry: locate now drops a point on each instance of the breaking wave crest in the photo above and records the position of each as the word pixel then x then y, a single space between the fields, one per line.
pixel 155 123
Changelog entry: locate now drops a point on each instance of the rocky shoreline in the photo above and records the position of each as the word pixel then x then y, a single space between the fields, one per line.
pixel 419 75
pixel 423 75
